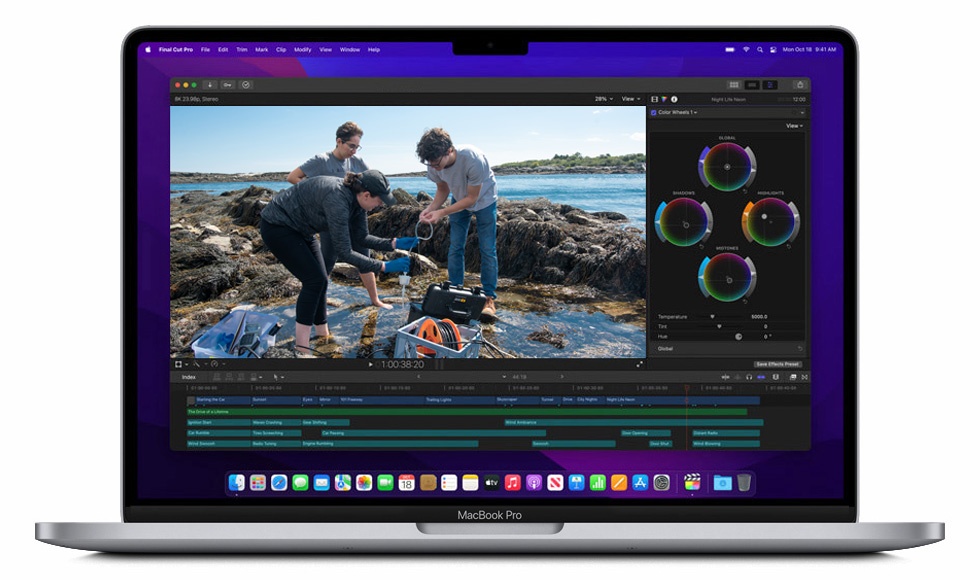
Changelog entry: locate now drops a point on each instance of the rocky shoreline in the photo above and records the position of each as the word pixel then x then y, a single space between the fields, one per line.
pixel 549 255
pixel 549 170
pixel 178 177
pixel 191 177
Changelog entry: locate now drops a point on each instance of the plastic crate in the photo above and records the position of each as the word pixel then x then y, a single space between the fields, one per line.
pixel 407 343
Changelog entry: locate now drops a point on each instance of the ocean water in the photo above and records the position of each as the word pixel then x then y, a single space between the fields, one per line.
pixel 179 189
pixel 625 193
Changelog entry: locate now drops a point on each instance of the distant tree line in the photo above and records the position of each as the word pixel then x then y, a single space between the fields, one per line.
pixel 576 160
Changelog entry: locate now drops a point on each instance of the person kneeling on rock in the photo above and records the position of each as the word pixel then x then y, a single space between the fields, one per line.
pixel 465 173
pixel 337 210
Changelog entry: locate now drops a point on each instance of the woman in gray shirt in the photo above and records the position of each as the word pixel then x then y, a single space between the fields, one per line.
pixel 338 163
pixel 337 209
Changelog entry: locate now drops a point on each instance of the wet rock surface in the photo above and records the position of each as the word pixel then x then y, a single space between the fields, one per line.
pixel 541 242
pixel 562 271
pixel 405 198
pixel 545 335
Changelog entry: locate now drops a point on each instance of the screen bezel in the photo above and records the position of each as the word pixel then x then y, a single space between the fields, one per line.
pixel 584 510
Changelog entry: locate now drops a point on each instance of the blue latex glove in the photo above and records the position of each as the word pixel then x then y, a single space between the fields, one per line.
pixel 398 265
pixel 406 243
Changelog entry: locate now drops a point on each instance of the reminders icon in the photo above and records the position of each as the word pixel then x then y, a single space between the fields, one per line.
pixel 449 482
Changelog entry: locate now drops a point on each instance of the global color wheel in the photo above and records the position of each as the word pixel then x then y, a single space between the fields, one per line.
pixel 683 222
pixel 770 222
pixel 727 167
pixel 727 277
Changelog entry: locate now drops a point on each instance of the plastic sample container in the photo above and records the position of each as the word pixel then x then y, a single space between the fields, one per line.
pixel 240 334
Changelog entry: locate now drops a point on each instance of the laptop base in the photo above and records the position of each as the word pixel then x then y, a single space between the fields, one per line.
pixel 474 538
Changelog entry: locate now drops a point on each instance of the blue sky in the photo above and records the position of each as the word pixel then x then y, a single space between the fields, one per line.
pixel 261 139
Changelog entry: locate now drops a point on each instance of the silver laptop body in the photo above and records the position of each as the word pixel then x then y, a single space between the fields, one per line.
pixel 246 517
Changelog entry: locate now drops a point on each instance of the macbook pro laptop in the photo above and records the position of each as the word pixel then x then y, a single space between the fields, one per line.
pixel 489 290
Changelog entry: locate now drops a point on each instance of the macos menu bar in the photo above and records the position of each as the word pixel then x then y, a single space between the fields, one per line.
pixel 444 49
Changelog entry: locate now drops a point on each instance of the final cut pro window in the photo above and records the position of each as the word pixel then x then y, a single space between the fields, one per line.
pixel 652 267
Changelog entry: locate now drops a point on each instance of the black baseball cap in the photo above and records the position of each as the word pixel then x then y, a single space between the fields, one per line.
pixel 375 182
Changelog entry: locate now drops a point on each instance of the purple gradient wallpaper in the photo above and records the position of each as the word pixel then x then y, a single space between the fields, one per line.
pixel 817 473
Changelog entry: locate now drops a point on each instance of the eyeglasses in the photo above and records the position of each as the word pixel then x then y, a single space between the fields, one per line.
pixel 431 162
pixel 353 147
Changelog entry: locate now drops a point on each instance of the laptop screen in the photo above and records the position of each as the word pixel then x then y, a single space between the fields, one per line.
pixel 382 272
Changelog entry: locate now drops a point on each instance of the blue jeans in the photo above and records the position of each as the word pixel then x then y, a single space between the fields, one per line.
pixel 486 231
